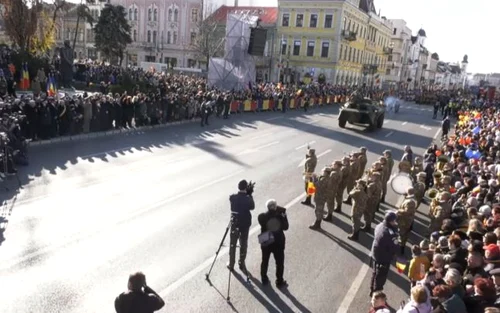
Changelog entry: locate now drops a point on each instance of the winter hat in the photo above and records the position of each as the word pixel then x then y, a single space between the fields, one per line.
pixel 492 252
pixel 472 202
pixel 434 237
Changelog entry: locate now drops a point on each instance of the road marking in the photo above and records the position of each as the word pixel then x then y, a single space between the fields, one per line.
pixel 26 257
pixel 263 135
pixel 194 272
pixel 248 151
pixel 353 291
pixel 425 127
pixel 437 133
pixel 274 118
pixel 324 153
pixel 312 122
pixel 106 152
pixel 305 145
pixel 267 145
pixel 390 133
pixel 386 121
pixel 404 123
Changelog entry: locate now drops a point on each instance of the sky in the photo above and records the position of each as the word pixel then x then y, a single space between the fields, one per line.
pixel 454 27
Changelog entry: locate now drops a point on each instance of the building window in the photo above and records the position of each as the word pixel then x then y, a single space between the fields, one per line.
pixel 150 12
pixel 174 41
pixel 283 47
pixel 193 37
pixel 150 58
pixel 130 16
pixel 191 63
pixel 194 15
pixel 389 58
pixel 155 14
pixel 299 22
pixel 345 23
pixel 325 49
pixel 170 15
pixel 349 55
pixel 388 71
pixel 134 35
pixel 136 14
pixel 296 47
pixel 394 31
pixel 154 36
pixel 328 21
pixel 285 20
pixel 176 15
pixel 149 36
pixel 169 37
pixel 310 48
pixel 313 23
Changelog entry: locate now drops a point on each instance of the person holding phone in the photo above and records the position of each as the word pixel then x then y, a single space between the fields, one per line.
pixel 139 298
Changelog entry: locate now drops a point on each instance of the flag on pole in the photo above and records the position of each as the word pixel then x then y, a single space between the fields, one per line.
pixel 25 77
pixel 401 265
pixel 51 86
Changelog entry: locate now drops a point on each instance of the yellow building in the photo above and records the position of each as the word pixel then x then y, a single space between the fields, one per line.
pixel 334 39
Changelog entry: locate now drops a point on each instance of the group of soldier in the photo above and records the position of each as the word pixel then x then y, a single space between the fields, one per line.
pixel 366 190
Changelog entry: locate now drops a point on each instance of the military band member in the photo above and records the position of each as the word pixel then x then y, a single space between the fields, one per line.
pixel 420 187
pixel 390 160
pixel 353 173
pixel 445 183
pixel 359 197
pixel 439 211
pixel 320 197
pixel 417 167
pixel 309 168
pixel 385 178
pixel 345 171
pixel 335 180
pixel 373 191
pixel 406 214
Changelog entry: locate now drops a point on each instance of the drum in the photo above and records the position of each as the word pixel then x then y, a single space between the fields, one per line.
pixel 401 183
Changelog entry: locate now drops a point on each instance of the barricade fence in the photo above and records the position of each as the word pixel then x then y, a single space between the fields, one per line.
pixel 239 106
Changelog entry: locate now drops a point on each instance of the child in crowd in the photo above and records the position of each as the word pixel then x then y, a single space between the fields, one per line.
pixel 419 265
pixel 379 303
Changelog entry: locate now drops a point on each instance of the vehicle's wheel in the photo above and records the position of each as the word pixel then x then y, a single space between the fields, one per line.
pixel 342 123
pixel 380 122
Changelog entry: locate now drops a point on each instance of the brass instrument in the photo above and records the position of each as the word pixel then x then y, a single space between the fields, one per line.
pixel 437 175
pixel 432 193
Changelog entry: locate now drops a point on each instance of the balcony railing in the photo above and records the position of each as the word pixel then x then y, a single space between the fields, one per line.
pixel 387 50
pixel 349 35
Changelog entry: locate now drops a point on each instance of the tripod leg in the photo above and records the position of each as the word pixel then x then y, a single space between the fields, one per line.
pixel 207 276
pixel 229 286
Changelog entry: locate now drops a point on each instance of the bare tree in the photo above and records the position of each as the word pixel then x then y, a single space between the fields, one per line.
pixel 82 13
pixel 30 24
pixel 210 38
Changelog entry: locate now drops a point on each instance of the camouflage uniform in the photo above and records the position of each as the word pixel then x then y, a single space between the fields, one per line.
pixel 406 214
pixel 309 168
pixel 359 198
pixel 439 212
pixel 374 191
pixel 363 159
pixel 320 197
pixel 334 182
pixel 445 183
pixel 390 160
pixel 420 187
pixel 385 178
pixel 345 170
pixel 353 173
pixel 417 168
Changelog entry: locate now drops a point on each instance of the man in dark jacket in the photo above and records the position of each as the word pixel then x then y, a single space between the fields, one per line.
pixel 384 247
pixel 139 298
pixel 273 223
pixel 241 220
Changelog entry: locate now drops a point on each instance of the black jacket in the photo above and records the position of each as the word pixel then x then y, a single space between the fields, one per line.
pixel 282 225
pixel 241 205
pixel 385 243
pixel 138 302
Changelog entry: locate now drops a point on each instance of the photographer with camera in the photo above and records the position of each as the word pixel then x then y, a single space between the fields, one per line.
pixel 139 298
pixel 241 220
pixel 273 223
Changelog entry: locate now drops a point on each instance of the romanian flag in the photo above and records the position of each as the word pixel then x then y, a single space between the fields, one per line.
pixel 401 265
pixel 24 84
pixel 51 86
pixel 311 189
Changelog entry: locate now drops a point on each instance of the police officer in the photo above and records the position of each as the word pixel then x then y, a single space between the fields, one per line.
pixel 384 247
pixel 241 219
pixel 309 168
pixel 276 222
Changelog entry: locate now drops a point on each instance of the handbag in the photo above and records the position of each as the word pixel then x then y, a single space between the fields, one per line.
pixel 266 238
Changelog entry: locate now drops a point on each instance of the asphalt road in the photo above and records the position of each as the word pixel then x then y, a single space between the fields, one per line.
pixel 91 213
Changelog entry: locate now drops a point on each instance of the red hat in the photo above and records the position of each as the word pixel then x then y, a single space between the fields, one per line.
pixel 491 252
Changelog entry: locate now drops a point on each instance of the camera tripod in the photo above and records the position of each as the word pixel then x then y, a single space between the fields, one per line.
pixel 207 275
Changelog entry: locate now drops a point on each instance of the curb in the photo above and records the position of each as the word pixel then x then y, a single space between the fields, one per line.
pixel 82 137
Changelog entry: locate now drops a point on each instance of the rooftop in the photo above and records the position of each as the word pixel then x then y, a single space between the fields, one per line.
pixel 267 15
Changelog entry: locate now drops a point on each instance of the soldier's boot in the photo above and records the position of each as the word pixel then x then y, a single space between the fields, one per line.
pixel 354 236
pixel 382 200
pixel 338 209
pixel 367 228
pixel 316 225
pixel 348 200
pixel 307 201
pixel 328 217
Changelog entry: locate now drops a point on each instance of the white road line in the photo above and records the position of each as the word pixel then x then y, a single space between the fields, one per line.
pixel 188 276
pixel 312 122
pixel 353 291
pixel 267 145
pixel 390 133
pixel 105 152
pixel 305 145
pixel 324 153
pixel 437 133
pixel 248 151
pixel 26 257
pixel 425 127
pixel 259 136
pixel 404 123
pixel 274 118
